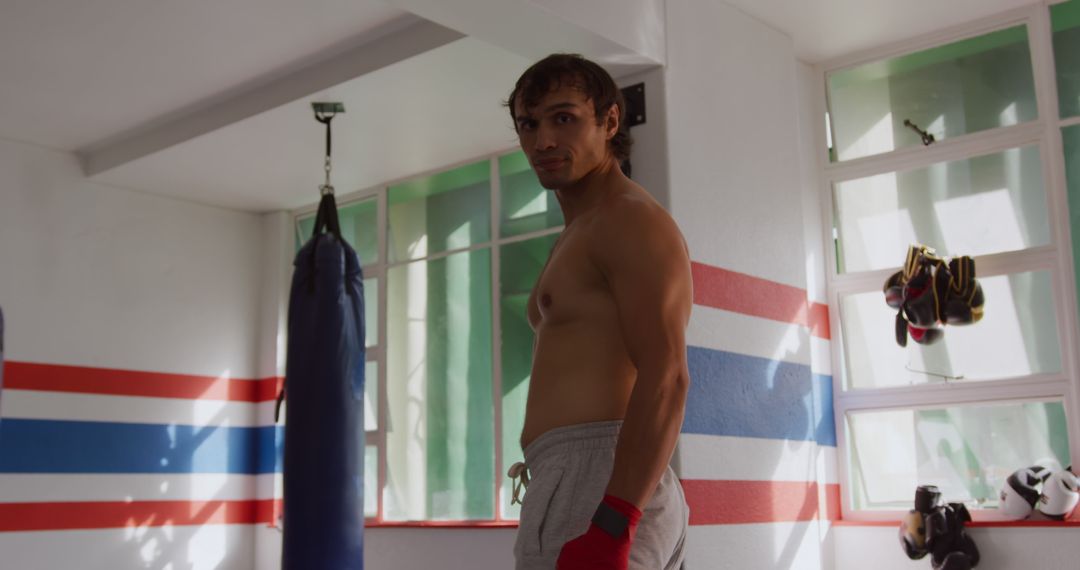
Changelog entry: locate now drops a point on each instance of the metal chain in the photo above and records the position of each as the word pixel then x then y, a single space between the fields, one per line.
pixel 326 188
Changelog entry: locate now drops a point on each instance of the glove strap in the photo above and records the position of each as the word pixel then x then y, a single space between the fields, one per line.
pixel 614 516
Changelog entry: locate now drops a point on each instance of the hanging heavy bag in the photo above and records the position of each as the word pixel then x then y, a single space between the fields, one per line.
pixel 324 423
pixel 324 384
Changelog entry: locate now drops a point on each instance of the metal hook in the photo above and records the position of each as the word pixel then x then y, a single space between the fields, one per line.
pixel 324 113
pixel 927 138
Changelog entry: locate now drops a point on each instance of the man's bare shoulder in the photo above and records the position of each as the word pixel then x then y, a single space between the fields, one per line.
pixel 633 217
pixel 634 220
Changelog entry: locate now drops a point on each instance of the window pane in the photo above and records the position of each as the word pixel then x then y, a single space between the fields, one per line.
pixel 359 226
pixel 966 451
pixel 1071 138
pixel 987 204
pixel 371 481
pixel 1066 24
pixel 371 312
pixel 440 428
pixel 446 211
pixel 526 205
pixel 371 395
pixel 1016 337
pixel 520 267
pixel 960 88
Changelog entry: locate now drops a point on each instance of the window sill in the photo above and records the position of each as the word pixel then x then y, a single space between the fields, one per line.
pixel 442 524
pixel 1070 523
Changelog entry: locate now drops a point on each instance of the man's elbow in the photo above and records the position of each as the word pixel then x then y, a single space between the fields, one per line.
pixel 680 386
pixel 670 378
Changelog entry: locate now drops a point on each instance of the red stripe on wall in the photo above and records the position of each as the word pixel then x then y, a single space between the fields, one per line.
pixel 741 293
pixel 107 381
pixel 745 502
pixel 15 517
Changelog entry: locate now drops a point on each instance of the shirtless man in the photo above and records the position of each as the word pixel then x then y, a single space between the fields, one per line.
pixel 610 309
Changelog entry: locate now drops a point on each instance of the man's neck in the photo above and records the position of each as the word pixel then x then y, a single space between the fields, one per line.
pixel 592 190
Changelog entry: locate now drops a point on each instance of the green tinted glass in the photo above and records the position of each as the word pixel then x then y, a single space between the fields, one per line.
pixel 440 428
pixel 371 395
pixel 1066 24
pixel 371 481
pixel 967 451
pixel 359 227
pixel 371 312
pixel 519 268
pixel 1071 138
pixel 1017 336
pixel 977 206
pixel 964 87
pixel 526 205
pixel 446 211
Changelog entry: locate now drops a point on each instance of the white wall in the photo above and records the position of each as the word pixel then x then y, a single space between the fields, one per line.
pixel 421 548
pixel 737 190
pixel 94 276
pixel 733 127
pixel 1000 548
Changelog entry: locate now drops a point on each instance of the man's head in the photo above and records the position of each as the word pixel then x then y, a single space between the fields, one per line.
pixel 567 111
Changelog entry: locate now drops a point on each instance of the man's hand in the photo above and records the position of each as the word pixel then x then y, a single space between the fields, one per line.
pixel 606 545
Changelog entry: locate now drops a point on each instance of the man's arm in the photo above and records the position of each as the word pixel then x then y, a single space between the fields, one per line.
pixel 647 268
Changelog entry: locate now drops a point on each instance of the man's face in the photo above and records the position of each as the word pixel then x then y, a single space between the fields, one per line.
pixel 561 138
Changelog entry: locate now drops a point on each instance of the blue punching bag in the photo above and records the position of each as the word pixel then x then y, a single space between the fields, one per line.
pixel 324 418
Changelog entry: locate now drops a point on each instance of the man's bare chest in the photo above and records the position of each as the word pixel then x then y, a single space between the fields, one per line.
pixel 571 287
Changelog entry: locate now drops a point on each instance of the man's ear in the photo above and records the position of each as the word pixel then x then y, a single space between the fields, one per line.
pixel 611 122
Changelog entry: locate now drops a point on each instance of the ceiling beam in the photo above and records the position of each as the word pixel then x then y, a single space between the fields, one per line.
pixel 624 36
pixel 411 37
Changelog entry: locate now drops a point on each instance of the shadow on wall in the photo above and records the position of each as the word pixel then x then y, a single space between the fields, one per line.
pixel 737 395
pixel 179 492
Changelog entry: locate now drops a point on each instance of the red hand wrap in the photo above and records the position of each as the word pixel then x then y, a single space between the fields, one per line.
pixel 598 550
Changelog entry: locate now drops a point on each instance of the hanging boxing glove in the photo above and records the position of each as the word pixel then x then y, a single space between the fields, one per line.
pixel 919 306
pixel 964 297
pixel 948 542
pixel 894 290
pixel 913 535
pixel 901 329
pixel 925 336
pixel 954 561
pixel 1020 492
pixel 1059 495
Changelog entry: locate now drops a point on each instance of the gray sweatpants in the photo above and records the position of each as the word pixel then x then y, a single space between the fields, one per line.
pixel 569 469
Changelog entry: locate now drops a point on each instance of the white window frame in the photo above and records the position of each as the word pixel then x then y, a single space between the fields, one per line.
pixel 377 353
pixel 1057 257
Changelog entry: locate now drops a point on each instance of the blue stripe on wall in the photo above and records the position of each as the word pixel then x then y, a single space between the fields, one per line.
pixel 53 446
pixel 747 396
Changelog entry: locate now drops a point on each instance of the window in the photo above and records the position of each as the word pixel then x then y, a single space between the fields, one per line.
pixel 449 261
pixel 999 395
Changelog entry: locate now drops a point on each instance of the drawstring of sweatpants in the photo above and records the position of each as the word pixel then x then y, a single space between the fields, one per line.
pixel 519 474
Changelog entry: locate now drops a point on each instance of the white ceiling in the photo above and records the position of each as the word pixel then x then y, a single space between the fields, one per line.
pixel 76 72
pixel 825 29
pixel 100 78
pixel 438 108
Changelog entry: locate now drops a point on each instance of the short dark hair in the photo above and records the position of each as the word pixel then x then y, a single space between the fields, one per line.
pixel 549 74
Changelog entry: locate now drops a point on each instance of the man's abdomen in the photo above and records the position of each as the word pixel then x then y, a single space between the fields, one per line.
pixel 578 376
